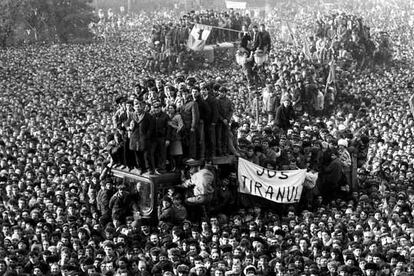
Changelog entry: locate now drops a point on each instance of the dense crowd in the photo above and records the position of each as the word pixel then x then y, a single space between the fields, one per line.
pixel 70 112
pixel 166 43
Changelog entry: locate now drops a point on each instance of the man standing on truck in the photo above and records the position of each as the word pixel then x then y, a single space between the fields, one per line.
pixel 191 117
pixel 160 141
pixel 142 130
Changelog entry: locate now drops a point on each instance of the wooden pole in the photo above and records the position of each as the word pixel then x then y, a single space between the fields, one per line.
pixel 220 28
pixel 129 7
pixel 354 174
pixel 257 108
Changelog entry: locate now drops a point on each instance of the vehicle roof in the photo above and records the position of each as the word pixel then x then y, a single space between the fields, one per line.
pixel 167 178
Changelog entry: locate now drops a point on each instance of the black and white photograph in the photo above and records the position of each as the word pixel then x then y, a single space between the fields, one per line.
pixel 206 137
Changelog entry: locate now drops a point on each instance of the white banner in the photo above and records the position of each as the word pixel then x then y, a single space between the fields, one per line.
pixel 236 5
pixel 198 36
pixel 276 186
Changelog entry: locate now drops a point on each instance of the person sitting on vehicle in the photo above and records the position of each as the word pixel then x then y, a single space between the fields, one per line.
pixel 201 181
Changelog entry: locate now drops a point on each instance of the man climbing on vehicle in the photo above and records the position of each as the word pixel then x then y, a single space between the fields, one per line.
pixel 201 180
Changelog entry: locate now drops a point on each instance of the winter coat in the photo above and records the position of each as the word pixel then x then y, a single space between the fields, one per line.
pixel 190 114
pixel 142 132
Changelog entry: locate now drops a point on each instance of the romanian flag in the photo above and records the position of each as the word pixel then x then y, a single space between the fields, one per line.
pixel 236 5
pixel 331 76
pixel 331 80
pixel 292 32
pixel 198 37
pixel 306 49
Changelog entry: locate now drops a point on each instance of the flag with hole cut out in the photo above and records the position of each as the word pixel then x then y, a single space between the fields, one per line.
pixel 198 37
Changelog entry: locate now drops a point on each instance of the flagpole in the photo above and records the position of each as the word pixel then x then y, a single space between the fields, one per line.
pixel 330 76
pixel 233 30
pixel 220 28
pixel 326 85
pixel 291 34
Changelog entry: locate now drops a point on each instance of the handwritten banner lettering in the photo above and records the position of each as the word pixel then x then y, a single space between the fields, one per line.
pixel 276 186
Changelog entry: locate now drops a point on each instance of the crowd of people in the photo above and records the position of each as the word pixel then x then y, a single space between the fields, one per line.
pixel 167 42
pixel 70 112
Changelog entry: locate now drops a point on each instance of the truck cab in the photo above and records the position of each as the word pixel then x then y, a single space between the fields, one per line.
pixel 149 188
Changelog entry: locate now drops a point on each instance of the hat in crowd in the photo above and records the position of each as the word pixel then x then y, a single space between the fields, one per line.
pixel 193 163
pixel 344 268
pixel 280 232
pixel 167 199
pixel 285 98
pixel 183 269
pixel 155 251
pixel 402 195
pixel 343 142
pixel 249 269
pixel 201 267
pixel 156 104
pixel 371 266
pixel 291 266
pixel 341 127
pixel 223 89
